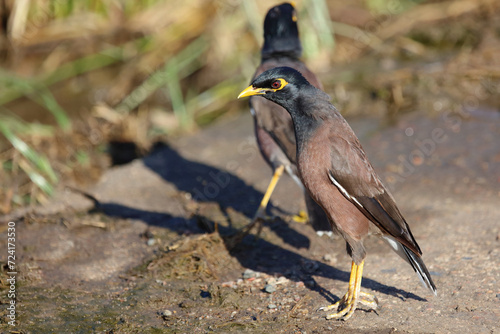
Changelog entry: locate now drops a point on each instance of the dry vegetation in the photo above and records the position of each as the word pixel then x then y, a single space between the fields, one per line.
pixel 155 68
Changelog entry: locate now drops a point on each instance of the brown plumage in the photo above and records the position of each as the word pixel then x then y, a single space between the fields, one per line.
pixel 337 174
pixel 273 125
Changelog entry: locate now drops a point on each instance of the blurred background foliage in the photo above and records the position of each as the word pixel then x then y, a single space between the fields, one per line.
pixel 81 79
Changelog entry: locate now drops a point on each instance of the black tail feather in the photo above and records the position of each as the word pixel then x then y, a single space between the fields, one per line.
pixel 420 268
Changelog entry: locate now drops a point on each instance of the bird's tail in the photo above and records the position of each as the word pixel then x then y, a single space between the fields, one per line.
pixel 415 261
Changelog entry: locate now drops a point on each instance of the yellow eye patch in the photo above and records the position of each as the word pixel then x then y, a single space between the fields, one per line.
pixel 251 90
pixel 278 84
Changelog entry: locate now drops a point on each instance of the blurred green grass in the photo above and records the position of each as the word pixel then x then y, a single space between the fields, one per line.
pixel 164 46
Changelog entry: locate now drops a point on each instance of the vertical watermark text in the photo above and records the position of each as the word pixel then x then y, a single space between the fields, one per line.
pixel 11 273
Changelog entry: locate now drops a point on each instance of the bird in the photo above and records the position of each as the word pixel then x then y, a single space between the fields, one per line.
pixel 272 124
pixel 336 172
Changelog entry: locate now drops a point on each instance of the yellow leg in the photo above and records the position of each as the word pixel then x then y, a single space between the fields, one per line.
pixel 261 211
pixel 350 300
pixel 270 188
pixel 300 218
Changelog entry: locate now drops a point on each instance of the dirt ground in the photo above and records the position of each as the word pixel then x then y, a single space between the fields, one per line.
pixel 152 255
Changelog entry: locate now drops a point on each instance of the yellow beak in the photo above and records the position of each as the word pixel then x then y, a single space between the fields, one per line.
pixel 252 91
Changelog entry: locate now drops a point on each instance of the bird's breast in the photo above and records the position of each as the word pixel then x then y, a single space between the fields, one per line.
pixel 314 162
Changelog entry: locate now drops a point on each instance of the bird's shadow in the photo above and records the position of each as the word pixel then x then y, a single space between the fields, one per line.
pixel 210 184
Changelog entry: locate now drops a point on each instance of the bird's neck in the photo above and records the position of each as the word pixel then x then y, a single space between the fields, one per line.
pixel 282 46
pixel 304 126
pixel 308 115
pixel 285 55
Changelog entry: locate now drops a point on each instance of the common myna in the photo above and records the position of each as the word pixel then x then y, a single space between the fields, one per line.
pixel 337 174
pixel 273 124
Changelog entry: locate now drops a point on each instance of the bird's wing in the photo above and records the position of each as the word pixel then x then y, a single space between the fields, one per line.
pixel 276 121
pixel 354 176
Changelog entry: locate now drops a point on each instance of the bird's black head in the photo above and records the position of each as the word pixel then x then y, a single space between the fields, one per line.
pixel 281 34
pixel 281 85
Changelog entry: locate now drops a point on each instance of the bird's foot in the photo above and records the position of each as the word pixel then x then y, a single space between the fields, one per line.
pixel 301 218
pixel 349 303
pixel 259 217
pixel 348 306
pixel 368 300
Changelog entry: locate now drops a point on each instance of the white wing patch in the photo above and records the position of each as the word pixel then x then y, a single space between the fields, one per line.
pixel 395 245
pixel 342 190
pixel 410 258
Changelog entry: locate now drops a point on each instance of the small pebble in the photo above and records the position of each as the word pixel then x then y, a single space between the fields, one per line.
pixel 498 295
pixel 330 258
pixel 151 241
pixel 167 313
pixel 271 306
pixel 282 280
pixel 249 273
pixel 270 288
pixel 229 284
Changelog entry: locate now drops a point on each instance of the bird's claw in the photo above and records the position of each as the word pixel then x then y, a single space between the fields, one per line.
pixel 368 300
pixel 349 304
pixel 259 218
pixel 301 218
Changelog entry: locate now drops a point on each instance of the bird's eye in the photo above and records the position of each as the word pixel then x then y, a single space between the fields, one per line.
pixel 276 84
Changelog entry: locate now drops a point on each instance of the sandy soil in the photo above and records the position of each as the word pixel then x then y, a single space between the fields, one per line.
pixel 153 254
